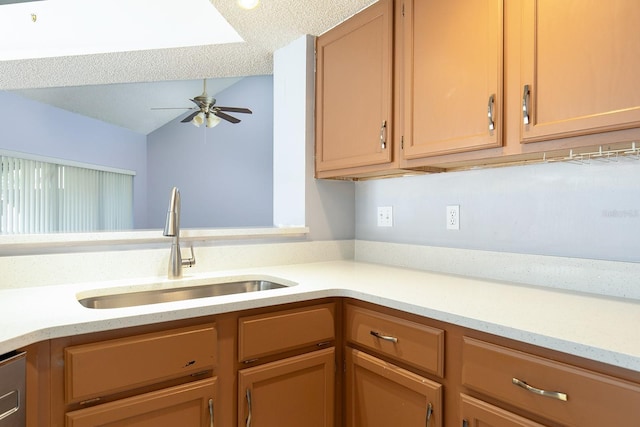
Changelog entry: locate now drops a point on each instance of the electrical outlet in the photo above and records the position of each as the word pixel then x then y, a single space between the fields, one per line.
pixel 385 216
pixel 453 217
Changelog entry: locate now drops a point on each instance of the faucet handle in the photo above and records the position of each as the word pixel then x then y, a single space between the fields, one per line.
pixel 189 262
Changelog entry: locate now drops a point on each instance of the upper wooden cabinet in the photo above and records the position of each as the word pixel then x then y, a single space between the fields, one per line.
pixel 464 83
pixel 452 82
pixel 580 65
pixel 354 79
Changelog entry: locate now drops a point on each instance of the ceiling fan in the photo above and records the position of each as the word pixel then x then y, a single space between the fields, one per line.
pixel 207 112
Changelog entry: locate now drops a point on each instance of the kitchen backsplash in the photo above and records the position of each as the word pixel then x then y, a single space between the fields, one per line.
pixel 589 211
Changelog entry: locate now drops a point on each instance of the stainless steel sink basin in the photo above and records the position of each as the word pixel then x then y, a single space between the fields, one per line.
pixel 155 296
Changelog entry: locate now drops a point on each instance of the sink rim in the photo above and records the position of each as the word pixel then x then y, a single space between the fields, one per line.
pixel 157 290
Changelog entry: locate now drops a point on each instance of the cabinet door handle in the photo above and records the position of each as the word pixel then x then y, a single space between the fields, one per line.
pixel 383 135
pixel 490 112
pixel 552 394
pixel 465 423
pixel 526 95
pixel 210 412
pixel 384 337
pixel 249 407
pixel 429 413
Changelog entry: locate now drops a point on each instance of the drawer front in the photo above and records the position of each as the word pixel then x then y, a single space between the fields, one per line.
pixel 272 333
pixel 477 413
pixel 102 368
pixel 418 345
pixel 553 390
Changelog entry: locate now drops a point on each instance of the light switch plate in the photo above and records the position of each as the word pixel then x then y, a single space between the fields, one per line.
pixel 385 216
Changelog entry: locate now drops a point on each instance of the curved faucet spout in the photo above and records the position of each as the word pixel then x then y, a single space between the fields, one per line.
pixel 172 223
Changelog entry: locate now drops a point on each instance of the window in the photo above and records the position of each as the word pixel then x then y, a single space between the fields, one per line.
pixel 39 196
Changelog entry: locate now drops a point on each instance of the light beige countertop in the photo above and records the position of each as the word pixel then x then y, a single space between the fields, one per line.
pixel 591 326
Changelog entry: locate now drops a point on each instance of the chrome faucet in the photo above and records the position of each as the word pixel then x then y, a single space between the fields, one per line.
pixel 172 229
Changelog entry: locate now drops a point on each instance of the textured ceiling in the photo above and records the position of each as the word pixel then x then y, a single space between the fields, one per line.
pixel 274 24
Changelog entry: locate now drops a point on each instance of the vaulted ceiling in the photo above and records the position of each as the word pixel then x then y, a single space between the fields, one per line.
pixel 272 25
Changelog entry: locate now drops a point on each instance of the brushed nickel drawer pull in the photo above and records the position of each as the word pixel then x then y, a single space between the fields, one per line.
pixel 249 407
pixel 429 413
pixel 490 112
pixel 210 412
pixel 384 337
pixel 525 104
pixel 552 394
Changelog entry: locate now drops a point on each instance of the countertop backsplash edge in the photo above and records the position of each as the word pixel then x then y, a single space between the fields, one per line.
pixel 68 268
pixel 606 278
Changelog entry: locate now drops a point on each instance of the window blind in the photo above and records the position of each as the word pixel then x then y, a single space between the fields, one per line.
pixel 43 197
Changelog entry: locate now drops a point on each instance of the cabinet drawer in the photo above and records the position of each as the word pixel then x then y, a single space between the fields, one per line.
pixel 477 413
pixel 418 345
pixel 267 334
pixel 592 399
pixel 102 368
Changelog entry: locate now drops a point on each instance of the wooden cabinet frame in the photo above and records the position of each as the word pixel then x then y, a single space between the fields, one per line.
pixel 45 370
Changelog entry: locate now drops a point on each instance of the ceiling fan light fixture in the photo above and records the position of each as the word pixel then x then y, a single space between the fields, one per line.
pixel 198 119
pixel 212 120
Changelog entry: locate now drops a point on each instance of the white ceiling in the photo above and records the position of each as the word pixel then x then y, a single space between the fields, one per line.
pixel 163 78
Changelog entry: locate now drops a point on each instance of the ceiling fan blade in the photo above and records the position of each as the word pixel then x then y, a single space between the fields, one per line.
pixel 189 117
pixel 235 109
pixel 226 117
pixel 172 108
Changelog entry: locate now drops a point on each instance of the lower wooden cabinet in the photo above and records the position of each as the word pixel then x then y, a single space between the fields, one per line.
pixel 380 394
pixel 562 393
pixel 276 367
pixel 476 413
pixel 187 405
pixel 292 392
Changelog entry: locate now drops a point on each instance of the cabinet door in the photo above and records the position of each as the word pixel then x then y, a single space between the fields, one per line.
pixel 293 392
pixel 187 405
pixel 580 60
pixel 379 394
pixel 452 84
pixel 476 413
pixel 354 90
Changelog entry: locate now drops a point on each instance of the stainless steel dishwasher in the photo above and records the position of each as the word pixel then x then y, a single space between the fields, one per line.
pixel 12 389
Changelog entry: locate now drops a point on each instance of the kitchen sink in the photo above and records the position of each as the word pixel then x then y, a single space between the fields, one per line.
pixel 155 296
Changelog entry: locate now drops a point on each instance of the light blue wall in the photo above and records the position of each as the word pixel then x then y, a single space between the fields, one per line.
pixel 562 209
pixel 32 127
pixel 225 174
